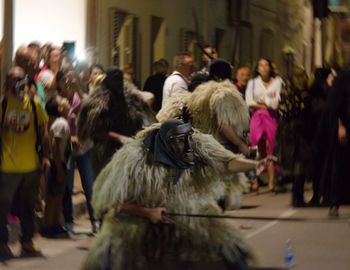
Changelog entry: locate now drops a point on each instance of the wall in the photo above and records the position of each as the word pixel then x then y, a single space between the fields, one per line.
pixel 143 11
pixel 63 20
pixel 307 37
pixel 177 15
pixel 217 18
pixel 264 16
pixel 290 23
pixel 159 44
pixel 1 18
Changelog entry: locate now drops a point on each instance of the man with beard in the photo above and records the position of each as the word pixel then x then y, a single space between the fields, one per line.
pixel 165 170
pixel 110 114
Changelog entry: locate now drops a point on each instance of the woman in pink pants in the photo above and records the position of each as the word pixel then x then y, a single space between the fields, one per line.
pixel 262 96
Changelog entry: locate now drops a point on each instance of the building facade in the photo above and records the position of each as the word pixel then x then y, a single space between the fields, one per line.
pixel 139 32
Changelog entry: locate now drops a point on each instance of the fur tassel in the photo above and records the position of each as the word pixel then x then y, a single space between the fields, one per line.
pixel 91 110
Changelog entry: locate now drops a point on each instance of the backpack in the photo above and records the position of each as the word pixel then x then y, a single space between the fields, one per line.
pixel 36 126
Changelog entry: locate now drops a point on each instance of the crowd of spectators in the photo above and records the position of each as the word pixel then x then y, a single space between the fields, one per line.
pixel 45 90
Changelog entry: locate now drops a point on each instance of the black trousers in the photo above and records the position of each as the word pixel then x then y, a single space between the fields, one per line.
pixel 298 189
pixel 20 190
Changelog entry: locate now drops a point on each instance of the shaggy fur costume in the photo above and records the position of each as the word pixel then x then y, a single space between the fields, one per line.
pixel 131 242
pixel 211 106
pixel 98 111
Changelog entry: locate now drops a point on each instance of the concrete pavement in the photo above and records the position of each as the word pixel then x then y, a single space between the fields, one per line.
pixel 59 254
pixel 318 242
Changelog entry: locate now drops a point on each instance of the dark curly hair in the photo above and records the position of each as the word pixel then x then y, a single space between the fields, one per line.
pixel 272 73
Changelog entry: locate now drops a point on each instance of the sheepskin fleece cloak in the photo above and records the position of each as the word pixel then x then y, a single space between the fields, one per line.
pixel 131 242
pixel 211 106
pixel 95 114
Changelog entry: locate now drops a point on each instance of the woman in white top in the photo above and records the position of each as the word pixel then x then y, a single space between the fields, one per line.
pixel 47 75
pixel 262 97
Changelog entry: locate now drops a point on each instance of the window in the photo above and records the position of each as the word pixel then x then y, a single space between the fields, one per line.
pixel 123 39
pixel 266 43
pixel 157 38
pixel 188 41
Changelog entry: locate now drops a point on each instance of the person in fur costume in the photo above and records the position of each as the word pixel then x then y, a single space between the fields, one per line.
pixel 167 168
pixel 110 114
pixel 215 107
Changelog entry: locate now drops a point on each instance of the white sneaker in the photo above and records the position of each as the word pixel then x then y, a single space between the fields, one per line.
pixel 95 227
pixel 69 227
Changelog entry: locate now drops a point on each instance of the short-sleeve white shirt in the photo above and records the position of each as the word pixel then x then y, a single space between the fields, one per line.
pixel 256 90
pixel 60 129
pixel 176 82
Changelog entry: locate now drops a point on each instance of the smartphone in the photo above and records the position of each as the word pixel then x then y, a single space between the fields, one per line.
pixel 69 47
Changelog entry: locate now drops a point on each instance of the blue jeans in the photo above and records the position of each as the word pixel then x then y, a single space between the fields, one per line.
pixel 87 180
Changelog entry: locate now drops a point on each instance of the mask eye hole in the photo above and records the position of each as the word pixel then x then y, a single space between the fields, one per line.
pixel 177 139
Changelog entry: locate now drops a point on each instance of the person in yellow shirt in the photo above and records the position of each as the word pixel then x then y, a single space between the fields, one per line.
pixel 23 120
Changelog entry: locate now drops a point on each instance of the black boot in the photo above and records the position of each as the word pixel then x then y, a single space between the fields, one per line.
pixel 298 191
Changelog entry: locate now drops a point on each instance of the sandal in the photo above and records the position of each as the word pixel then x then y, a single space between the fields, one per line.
pixel 272 188
pixel 254 188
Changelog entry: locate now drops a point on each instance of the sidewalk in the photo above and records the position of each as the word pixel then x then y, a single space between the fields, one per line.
pixel 79 200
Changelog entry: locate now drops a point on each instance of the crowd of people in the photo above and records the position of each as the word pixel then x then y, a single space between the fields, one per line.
pixel 57 115
pixel 299 119
pixel 42 97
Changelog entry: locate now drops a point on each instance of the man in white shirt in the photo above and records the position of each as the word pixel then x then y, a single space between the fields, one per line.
pixel 177 81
